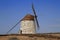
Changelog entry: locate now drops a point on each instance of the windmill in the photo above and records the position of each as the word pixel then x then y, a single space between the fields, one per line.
pixel 29 23
pixel 35 16
pixel 28 17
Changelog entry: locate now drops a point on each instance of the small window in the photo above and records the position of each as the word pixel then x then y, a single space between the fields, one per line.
pixel 13 39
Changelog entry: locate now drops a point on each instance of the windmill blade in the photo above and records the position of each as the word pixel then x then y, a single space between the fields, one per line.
pixel 14 26
pixel 35 16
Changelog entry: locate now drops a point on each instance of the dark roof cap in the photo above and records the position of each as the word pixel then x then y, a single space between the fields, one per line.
pixel 28 17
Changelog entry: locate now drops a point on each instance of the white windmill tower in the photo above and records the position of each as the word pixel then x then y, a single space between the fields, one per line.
pixel 28 25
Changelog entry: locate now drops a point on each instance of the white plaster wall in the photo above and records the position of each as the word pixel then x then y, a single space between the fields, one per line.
pixel 28 27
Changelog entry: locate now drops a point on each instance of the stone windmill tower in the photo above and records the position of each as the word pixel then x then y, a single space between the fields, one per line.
pixel 28 25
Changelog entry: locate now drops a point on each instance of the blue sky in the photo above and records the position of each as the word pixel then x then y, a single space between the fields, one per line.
pixel 48 11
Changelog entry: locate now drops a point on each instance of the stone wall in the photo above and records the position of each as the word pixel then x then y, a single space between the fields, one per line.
pixel 28 27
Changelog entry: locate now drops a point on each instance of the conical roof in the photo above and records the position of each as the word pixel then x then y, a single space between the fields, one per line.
pixel 28 17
